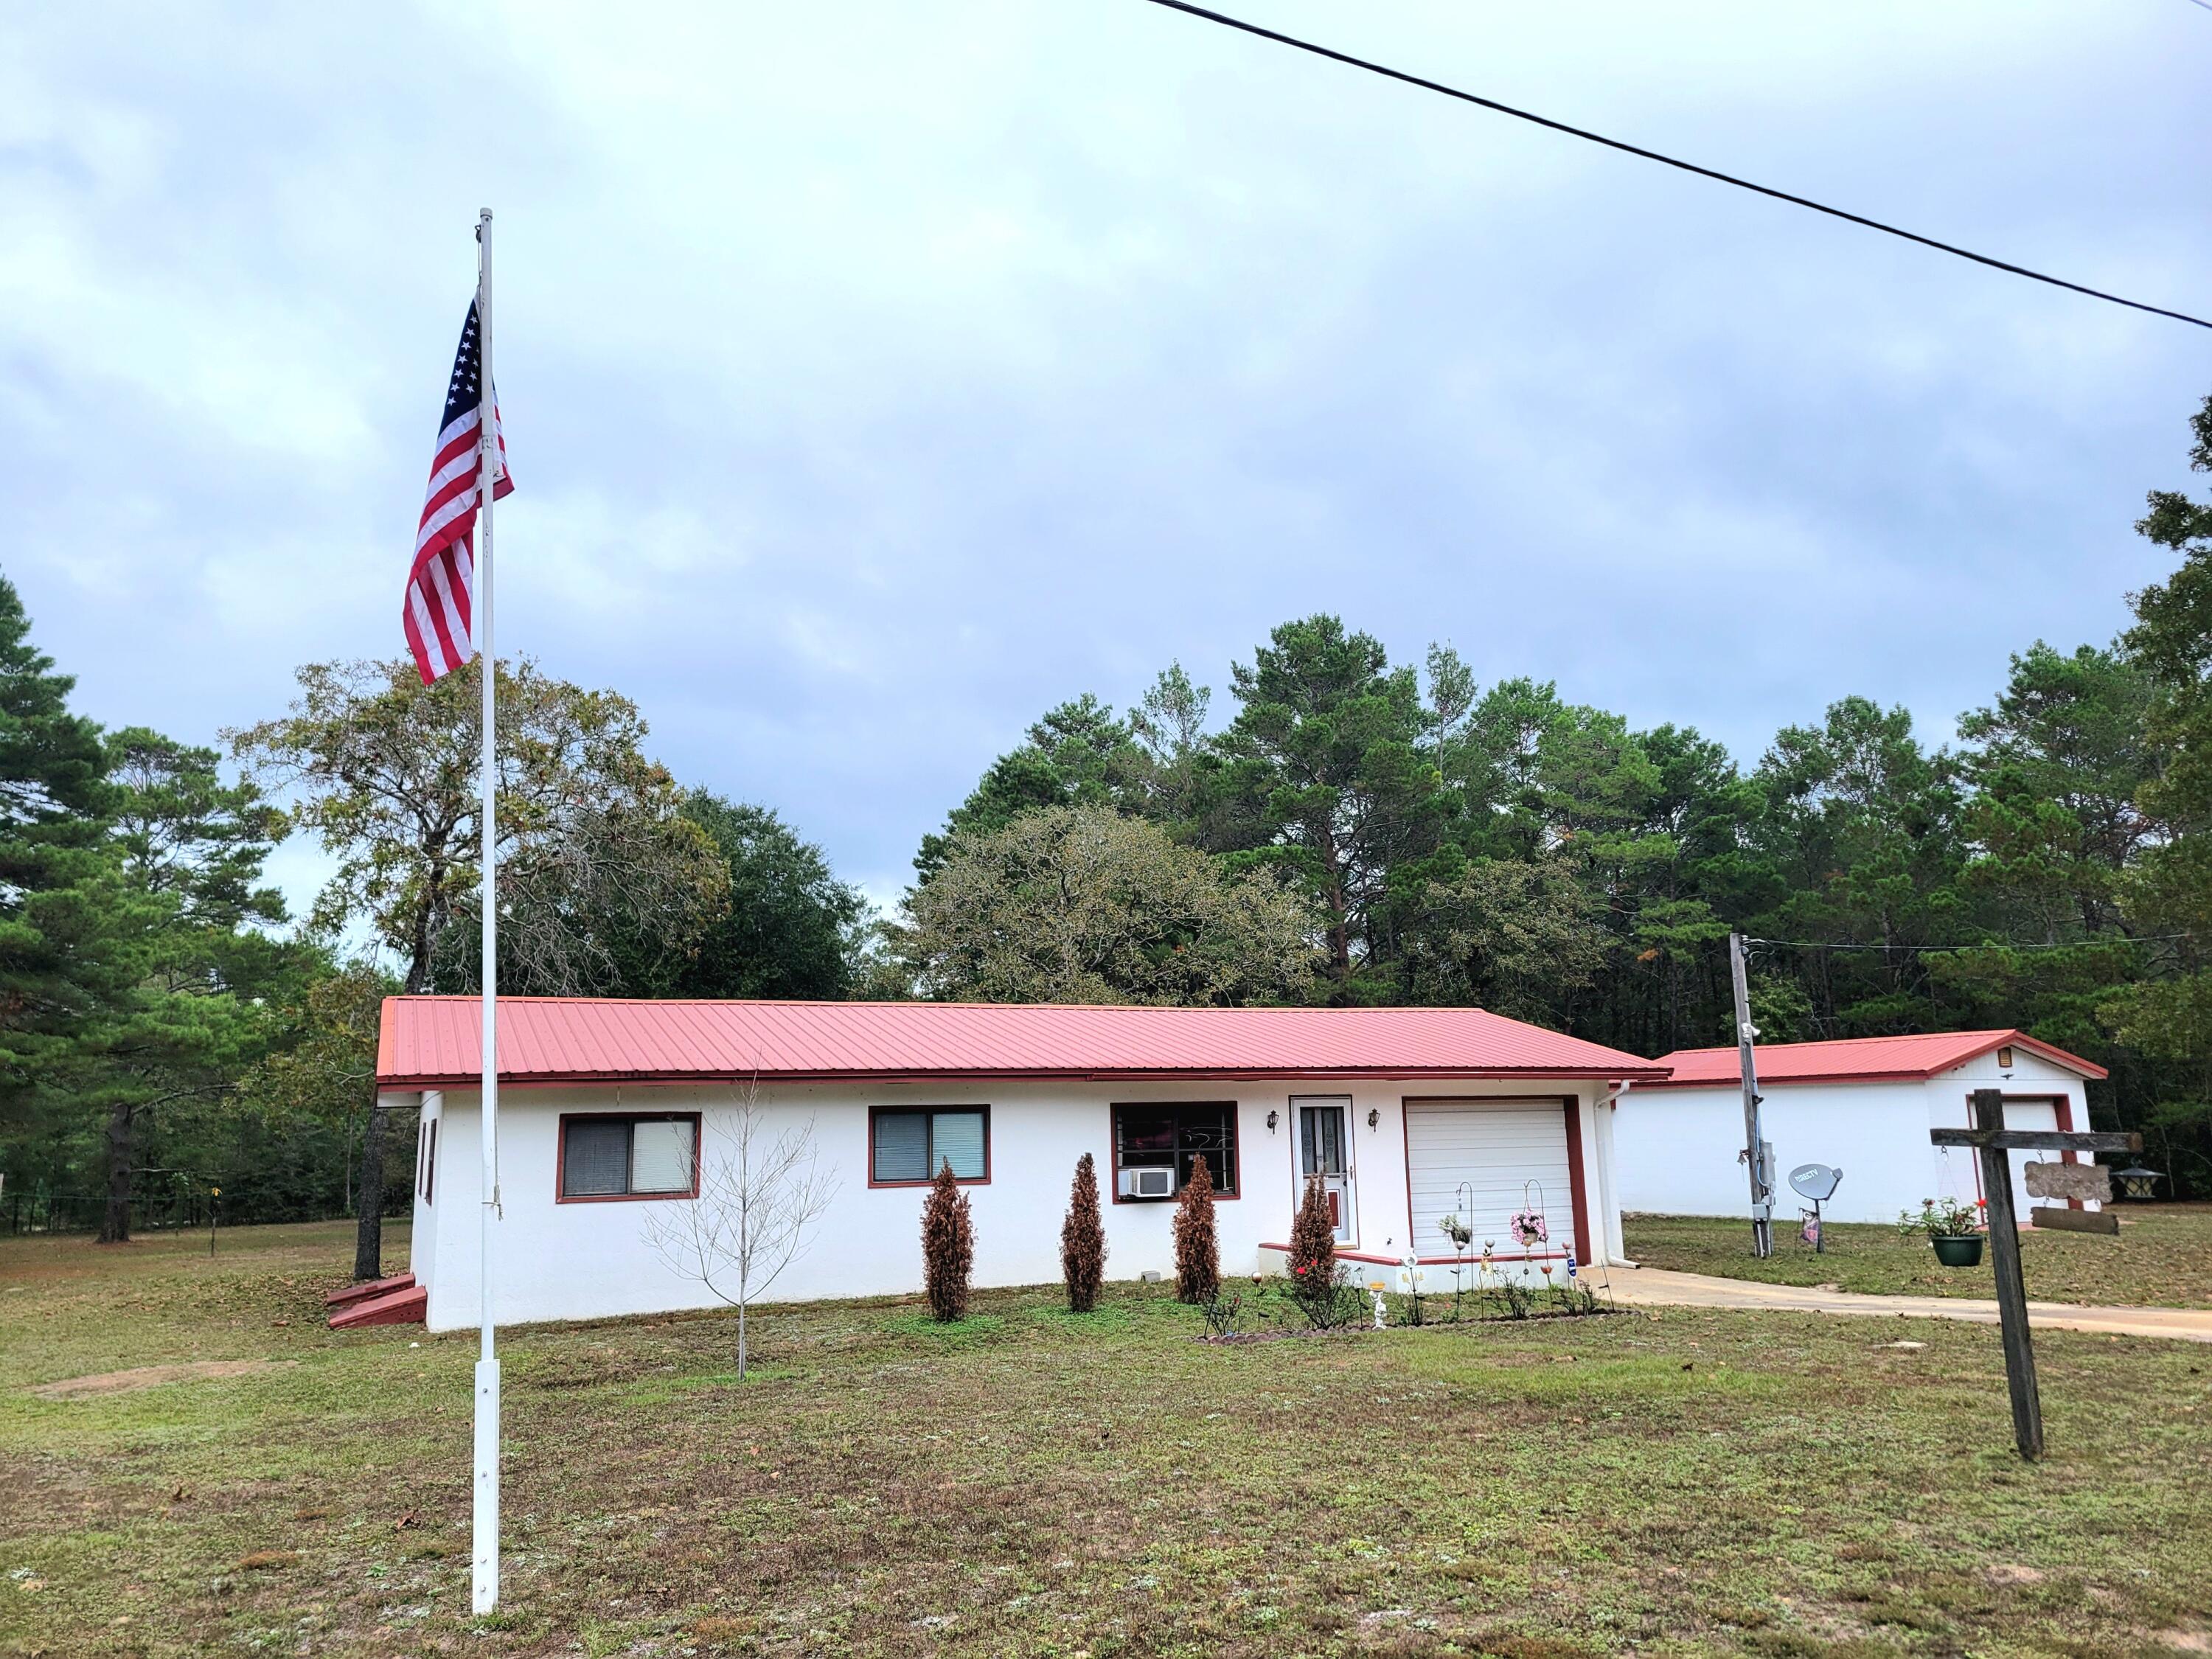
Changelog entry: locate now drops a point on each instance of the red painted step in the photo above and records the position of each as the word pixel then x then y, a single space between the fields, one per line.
pixel 367 1288
pixel 400 1307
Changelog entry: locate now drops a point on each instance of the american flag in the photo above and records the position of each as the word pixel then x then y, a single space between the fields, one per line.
pixel 441 587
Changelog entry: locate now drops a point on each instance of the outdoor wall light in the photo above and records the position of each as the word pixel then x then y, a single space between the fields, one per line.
pixel 2137 1181
pixel 1374 1117
pixel 1272 1119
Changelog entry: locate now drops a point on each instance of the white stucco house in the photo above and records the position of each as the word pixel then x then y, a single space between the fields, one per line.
pixel 1408 1115
pixel 1864 1105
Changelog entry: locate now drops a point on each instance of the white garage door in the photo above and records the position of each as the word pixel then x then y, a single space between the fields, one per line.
pixel 2020 1115
pixel 1477 1158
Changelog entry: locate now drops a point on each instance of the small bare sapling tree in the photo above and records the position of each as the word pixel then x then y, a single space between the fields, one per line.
pixel 760 1191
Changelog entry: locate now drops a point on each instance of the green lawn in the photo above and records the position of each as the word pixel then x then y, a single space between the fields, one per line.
pixel 1030 1483
pixel 2162 1258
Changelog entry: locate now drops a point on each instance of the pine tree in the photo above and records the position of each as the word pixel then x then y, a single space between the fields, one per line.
pixel 192 850
pixel 57 875
pixel 1083 1240
pixel 948 1247
pixel 1198 1252
pixel 1313 1244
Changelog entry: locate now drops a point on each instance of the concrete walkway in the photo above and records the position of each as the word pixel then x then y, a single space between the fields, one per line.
pixel 1658 1288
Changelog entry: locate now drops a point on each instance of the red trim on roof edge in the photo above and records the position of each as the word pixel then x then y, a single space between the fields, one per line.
pixel 1710 1068
pixel 1646 1080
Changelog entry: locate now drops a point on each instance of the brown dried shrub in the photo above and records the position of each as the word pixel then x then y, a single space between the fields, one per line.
pixel 948 1247
pixel 1198 1251
pixel 1083 1240
pixel 1312 1263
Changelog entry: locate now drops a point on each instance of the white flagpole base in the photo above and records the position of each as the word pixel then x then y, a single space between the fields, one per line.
pixel 483 1582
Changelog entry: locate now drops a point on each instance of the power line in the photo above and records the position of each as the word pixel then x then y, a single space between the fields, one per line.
pixel 2075 944
pixel 1491 104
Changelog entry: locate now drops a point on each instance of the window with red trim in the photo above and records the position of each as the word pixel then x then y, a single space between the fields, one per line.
pixel 644 1155
pixel 1174 1136
pixel 908 1144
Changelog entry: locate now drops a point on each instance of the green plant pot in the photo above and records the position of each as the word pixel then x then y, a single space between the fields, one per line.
pixel 1957 1249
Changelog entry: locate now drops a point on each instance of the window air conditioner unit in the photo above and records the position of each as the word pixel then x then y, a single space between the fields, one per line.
pixel 1148 1183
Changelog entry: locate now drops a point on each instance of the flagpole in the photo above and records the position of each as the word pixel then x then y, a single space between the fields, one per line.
pixel 484 1587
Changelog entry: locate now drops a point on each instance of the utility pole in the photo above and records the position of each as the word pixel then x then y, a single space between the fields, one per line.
pixel 1756 1157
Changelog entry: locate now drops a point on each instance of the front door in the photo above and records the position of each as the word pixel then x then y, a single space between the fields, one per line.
pixel 1325 1150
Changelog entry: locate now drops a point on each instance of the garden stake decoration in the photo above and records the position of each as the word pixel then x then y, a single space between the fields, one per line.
pixel 1995 1143
pixel 1816 1183
pixel 1461 1234
pixel 1528 1223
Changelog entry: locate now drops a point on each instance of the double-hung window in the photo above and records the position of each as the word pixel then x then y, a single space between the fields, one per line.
pixel 653 1155
pixel 908 1144
pixel 1175 1137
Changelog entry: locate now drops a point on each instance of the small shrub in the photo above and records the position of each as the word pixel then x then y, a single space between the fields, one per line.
pixel 1332 1302
pixel 948 1247
pixel 1198 1251
pixel 1311 1268
pixel 1083 1240
pixel 1222 1312
pixel 1313 1234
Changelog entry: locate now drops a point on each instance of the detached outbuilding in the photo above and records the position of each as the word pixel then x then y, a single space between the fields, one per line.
pixel 1408 1116
pixel 1864 1105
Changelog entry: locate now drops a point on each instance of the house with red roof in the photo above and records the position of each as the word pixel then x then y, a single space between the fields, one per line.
pixel 1861 1104
pixel 609 1110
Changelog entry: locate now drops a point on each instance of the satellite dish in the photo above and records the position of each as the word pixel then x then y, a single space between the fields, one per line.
pixel 1815 1181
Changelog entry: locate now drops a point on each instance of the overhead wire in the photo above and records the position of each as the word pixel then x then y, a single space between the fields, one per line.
pixel 2075 944
pixel 1664 160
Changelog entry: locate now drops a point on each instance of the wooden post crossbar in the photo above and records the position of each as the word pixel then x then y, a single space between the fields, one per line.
pixel 2037 1140
pixel 1995 1144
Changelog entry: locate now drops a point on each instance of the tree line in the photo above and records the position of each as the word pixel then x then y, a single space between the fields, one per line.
pixel 1342 829
pixel 172 1040
pixel 1361 831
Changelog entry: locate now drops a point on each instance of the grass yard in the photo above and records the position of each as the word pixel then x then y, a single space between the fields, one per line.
pixel 1030 1483
pixel 2161 1259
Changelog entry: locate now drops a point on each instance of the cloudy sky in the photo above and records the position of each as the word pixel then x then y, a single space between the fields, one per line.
pixel 878 375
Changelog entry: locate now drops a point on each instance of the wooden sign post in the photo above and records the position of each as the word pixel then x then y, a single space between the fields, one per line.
pixel 1995 1143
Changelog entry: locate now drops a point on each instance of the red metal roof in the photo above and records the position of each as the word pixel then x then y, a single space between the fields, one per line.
pixel 1860 1060
pixel 429 1042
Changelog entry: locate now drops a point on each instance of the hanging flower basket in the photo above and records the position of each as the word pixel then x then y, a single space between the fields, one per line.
pixel 1952 1227
pixel 1529 1227
pixel 1958 1250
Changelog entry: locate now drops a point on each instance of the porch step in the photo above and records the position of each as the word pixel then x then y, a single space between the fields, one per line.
pixel 367 1288
pixel 404 1306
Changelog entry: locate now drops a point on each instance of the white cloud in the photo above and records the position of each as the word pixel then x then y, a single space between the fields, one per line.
pixel 881 374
